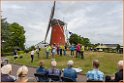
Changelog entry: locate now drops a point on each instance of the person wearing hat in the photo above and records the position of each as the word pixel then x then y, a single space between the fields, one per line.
pixel 6 73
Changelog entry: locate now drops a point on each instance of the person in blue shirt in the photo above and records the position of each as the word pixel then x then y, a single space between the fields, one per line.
pixel 95 74
pixel 42 70
pixel 72 50
pixel 70 72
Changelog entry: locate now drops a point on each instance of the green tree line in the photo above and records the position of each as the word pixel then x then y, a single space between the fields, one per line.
pixel 75 39
pixel 12 36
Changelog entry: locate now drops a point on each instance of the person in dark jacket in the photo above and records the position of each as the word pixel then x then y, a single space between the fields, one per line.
pixel 42 70
pixel 6 74
pixel 119 73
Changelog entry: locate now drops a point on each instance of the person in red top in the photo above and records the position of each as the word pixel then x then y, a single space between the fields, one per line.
pixel 78 48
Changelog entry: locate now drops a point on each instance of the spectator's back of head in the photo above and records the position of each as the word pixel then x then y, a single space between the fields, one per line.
pixel 96 63
pixel 6 69
pixel 70 63
pixel 41 63
pixel 53 63
pixel 22 71
pixel 120 64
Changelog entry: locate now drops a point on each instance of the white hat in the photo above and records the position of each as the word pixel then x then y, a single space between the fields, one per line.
pixel 6 69
pixel 22 70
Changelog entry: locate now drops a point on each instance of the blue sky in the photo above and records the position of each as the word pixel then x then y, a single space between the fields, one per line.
pixel 100 21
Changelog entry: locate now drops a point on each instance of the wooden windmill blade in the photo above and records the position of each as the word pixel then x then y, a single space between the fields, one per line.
pixel 51 17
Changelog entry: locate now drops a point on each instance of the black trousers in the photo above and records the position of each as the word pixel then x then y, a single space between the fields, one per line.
pixel 32 58
pixel 72 52
pixel 60 52
pixel 82 55
pixel 77 53
pixel 38 54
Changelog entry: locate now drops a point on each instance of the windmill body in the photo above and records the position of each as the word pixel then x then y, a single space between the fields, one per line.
pixel 57 32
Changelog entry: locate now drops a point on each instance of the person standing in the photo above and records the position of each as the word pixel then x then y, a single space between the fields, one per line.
pixel 48 49
pixel 72 50
pixel 32 55
pixel 65 48
pixel 38 52
pixel 61 50
pixel 54 49
pixel 58 49
pixel 82 52
pixel 78 50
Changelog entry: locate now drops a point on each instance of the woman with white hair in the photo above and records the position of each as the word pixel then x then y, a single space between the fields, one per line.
pixel 22 74
pixel 53 69
pixel 69 71
pixel 6 71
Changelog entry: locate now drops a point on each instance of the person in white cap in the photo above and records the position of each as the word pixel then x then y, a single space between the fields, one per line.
pixel 6 73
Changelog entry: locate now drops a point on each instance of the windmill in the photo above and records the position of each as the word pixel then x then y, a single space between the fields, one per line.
pixel 57 29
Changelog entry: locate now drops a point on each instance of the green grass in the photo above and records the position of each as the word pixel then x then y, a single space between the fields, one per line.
pixel 108 61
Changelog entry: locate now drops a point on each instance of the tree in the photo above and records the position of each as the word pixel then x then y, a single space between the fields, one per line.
pixel 12 35
pixel 17 36
pixel 5 35
pixel 118 48
pixel 75 39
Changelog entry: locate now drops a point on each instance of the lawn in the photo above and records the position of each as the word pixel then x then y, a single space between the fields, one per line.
pixel 108 61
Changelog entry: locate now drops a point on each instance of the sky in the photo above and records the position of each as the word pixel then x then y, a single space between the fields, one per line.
pixel 100 21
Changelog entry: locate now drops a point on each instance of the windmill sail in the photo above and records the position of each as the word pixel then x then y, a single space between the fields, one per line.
pixel 51 17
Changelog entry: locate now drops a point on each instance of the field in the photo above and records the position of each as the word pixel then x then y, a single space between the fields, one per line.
pixel 108 61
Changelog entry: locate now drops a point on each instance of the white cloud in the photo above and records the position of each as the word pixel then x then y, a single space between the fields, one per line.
pixel 101 21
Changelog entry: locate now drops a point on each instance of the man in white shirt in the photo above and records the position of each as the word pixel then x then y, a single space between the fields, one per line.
pixel 32 55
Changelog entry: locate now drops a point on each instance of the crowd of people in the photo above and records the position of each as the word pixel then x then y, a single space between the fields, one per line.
pixel 59 49
pixel 93 75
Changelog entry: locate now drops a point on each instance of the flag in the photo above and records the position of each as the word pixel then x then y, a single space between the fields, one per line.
pixel 70 33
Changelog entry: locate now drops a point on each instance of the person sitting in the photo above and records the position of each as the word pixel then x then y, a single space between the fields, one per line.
pixel 41 70
pixel 119 73
pixel 22 74
pixel 70 72
pixel 95 74
pixel 6 73
pixel 54 70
